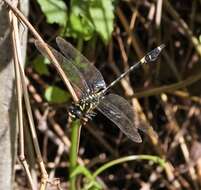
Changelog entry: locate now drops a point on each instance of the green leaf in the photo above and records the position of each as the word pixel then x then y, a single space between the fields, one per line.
pixel 55 94
pixel 55 11
pixel 102 14
pixel 80 24
pixel 40 66
pixel 90 16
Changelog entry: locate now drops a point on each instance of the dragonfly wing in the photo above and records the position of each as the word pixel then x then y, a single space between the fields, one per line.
pixel 91 74
pixel 74 75
pixel 123 104
pixel 118 110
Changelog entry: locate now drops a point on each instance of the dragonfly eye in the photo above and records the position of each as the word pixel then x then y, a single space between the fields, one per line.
pixel 78 114
pixel 71 109
pixel 75 111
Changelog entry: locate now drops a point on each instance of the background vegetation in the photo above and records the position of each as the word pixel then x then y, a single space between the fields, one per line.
pixel 114 35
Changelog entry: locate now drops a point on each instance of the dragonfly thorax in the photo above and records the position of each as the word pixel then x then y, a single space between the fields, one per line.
pixel 84 109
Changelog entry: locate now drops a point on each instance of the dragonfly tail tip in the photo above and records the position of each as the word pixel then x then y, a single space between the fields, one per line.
pixel 162 46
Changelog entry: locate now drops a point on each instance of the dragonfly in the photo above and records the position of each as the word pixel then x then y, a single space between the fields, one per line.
pixel 92 91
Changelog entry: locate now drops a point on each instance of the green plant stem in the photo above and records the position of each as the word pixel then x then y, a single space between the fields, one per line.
pixel 73 151
pixel 75 138
pixel 155 159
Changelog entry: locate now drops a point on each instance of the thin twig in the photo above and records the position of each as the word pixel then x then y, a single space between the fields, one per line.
pixel 17 58
pixel 172 121
pixel 29 111
pixel 130 33
pixel 50 54
pixel 168 88
pixel 193 39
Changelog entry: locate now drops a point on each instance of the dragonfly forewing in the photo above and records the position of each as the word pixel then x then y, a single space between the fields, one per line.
pixel 92 75
pixel 74 75
pixel 118 110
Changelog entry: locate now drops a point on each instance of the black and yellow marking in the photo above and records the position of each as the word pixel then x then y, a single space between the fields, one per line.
pixel 149 57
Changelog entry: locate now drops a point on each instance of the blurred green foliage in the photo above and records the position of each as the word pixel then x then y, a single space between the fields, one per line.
pixel 55 94
pixel 55 11
pixel 40 65
pixel 83 19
